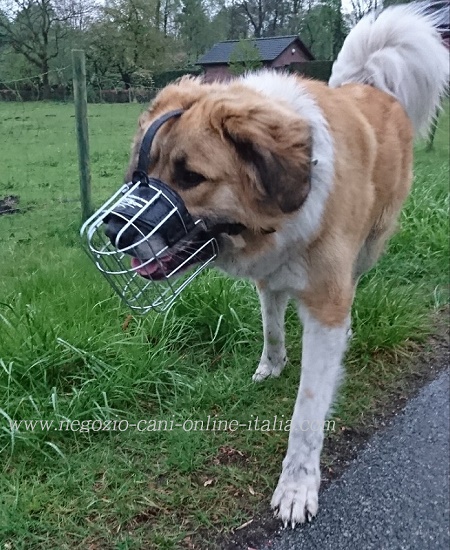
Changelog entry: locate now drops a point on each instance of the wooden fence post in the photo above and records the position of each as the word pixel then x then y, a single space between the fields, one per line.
pixel 80 99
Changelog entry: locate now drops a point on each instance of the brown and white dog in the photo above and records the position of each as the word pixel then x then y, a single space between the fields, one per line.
pixel 314 176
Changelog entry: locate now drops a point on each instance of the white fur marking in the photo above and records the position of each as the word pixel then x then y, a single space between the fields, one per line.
pixel 287 88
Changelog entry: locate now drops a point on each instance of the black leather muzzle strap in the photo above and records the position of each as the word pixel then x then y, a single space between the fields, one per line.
pixel 146 145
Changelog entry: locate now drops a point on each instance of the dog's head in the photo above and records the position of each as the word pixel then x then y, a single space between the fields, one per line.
pixel 239 161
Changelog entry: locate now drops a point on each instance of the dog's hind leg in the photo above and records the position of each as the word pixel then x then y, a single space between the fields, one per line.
pixel 375 242
pixel 273 308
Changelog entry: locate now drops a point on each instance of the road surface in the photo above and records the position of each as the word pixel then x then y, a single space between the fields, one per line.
pixel 396 493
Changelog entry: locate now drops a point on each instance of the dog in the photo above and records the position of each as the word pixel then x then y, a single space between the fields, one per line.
pixel 312 178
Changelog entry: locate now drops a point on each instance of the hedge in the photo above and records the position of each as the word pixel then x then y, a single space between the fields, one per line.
pixel 320 70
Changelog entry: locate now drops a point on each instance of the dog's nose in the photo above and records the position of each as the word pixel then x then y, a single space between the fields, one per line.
pixel 114 226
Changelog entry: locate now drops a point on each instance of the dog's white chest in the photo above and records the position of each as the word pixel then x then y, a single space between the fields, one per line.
pixel 290 276
pixel 279 271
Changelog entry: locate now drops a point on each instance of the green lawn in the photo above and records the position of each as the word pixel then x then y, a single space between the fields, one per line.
pixel 66 353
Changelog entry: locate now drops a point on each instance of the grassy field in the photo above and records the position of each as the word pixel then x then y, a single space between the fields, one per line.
pixel 66 352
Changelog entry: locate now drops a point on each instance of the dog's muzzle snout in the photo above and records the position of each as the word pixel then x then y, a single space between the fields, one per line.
pixel 144 240
pixel 152 208
pixel 119 235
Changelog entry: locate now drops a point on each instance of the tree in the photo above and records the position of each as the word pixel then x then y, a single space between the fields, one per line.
pixel 126 39
pixel 322 27
pixel 238 23
pixel 35 29
pixel 194 28
pixel 245 57
pixel 32 28
pixel 361 7
pixel 259 14
pixel 228 22
pixel 167 13
pixel 339 32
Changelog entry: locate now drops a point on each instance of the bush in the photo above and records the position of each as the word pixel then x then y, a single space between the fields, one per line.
pixel 166 77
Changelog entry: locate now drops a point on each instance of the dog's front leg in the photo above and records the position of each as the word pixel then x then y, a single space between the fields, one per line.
pixel 273 308
pixel 296 496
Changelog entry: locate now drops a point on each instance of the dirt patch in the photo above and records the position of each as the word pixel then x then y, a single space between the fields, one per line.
pixel 228 455
pixel 9 204
pixel 342 448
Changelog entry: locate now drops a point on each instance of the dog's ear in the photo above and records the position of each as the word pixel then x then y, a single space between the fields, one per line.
pixel 181 94
pixel 275 146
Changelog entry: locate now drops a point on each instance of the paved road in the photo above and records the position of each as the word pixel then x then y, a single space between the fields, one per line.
pixel 396 494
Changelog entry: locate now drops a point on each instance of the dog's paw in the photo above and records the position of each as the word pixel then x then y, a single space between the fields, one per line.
pixel 266 369
pixel 295 502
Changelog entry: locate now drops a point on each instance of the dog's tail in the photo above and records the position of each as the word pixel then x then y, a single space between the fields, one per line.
pixel 399 52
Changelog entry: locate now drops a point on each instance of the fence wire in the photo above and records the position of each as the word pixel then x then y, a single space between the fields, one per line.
pixel 39 151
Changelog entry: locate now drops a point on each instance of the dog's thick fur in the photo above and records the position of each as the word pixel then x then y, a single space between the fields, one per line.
pixel 317 174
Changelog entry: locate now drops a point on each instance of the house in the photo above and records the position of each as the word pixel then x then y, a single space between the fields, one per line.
pixel 274 52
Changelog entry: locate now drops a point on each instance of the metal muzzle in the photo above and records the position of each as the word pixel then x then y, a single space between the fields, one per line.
pixel 144 240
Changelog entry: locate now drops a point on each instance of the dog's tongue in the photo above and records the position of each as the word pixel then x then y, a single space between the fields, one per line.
pixel 146 269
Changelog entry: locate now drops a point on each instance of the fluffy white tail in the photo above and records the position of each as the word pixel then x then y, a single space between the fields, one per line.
pixel 399 52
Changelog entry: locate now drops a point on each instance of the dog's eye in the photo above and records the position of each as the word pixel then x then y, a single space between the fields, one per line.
pixel 191 179
pixel 184 178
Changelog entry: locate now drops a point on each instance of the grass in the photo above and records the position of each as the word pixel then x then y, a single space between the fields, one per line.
pixel 69 351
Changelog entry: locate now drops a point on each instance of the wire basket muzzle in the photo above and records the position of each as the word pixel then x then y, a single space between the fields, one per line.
pixel 147 245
